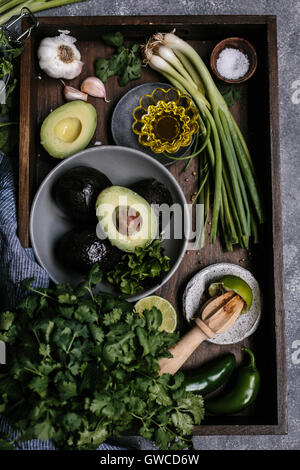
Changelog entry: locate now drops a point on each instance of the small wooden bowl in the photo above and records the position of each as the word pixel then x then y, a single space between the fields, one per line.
pixel 234 43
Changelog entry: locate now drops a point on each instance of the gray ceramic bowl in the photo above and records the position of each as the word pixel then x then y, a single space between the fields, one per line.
pixel 193 297
pixel 123 166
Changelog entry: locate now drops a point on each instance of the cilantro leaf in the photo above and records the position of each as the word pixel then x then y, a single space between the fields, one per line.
pixel 133 69
pixel 44 430
pixel 159 394
pixel 39 385
pixel 193 404
pixel 125 63
pixel 112 317
pixel 183 422
pixel 231 93
pixel 102 70
pixel 92 439
pixel 72 421
pixel 6 320
pixel 113 39
pixel 5 443
pixel 162 438
pixel 95 275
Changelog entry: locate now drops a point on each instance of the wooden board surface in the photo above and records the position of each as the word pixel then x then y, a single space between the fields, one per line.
pixel 40 96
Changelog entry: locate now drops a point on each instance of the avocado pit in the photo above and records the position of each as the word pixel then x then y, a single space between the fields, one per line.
pixel 68 129
pixel 127 220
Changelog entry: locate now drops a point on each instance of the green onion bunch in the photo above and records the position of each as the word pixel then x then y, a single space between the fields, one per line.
pixel 226 168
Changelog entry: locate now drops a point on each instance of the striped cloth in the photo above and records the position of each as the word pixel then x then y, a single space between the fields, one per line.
pixel 16 264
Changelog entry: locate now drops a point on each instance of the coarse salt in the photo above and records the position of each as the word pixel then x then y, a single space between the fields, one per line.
pixel 232 63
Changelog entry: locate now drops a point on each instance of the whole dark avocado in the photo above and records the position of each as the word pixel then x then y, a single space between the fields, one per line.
pixel 76 191
pixel 156 194
pixel 153 191
pixel 80 249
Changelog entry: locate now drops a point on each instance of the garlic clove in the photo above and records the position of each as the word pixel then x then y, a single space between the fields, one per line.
pixel 93 86
pixel 72 94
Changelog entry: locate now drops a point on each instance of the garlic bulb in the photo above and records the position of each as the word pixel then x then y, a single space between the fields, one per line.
pixel 59 57
pixel 93 86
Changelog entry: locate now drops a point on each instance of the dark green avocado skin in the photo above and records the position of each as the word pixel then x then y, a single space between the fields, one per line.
pixel 80 249
pixel 155 193
pixel 76 191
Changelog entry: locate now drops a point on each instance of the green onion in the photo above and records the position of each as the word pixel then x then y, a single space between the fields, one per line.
pixel 237 206
pixel 14 7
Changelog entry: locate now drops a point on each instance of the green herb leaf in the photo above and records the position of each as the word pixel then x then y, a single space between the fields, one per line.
pixel 44 431
pixel 231 93
pixel 4 443
pixel 113 39
pixel 6 320
pixel 125 63
pixel 133 69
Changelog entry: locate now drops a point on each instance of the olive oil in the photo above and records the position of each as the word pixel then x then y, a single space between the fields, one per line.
pixel 165 121
pixel 167 127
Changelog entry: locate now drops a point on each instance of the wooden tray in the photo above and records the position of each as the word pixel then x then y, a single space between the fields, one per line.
pixel 258 118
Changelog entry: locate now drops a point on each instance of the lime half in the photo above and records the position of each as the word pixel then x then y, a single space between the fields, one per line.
pixel 169 315
pixel 235 283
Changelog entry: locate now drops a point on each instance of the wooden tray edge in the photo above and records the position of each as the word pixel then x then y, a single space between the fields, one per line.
pixel 24 192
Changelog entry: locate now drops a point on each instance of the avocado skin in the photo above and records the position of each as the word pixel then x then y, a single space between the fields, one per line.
pixel 76 192
pixel 80 249
pixel 155 193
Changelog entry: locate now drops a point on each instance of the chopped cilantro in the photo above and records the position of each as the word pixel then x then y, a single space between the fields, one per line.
pixel 136 269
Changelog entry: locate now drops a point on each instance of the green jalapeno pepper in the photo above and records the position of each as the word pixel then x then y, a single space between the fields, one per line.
pixel 210 376
pixel 242 395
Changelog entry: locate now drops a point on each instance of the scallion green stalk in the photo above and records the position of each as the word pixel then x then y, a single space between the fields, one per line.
pixel 14 9
pixel 7 5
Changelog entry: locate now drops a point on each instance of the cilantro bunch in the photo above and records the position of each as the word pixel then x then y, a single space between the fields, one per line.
pixel 134 270
pixel 125 63
pixel 83 366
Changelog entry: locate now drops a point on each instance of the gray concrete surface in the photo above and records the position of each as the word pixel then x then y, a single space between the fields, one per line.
pixel 288 17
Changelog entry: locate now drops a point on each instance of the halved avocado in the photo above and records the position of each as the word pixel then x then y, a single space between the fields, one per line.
pixel 69 128
pixel 76 192
pixel 126 218
pixel 80 249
